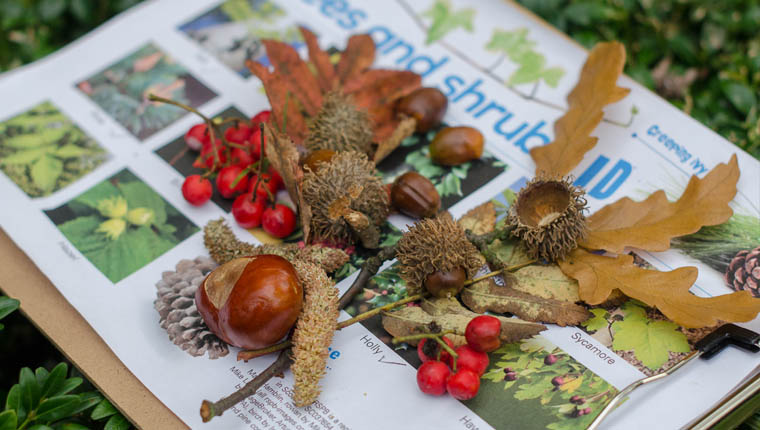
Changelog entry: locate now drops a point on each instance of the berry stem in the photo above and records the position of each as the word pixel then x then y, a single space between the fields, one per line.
pixel 498 272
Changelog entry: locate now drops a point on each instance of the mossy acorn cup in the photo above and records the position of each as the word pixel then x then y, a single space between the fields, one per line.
pixel 251 302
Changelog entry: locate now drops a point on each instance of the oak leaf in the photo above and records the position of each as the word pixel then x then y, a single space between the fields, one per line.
pixel 652 223
pixel 598 276
pixel 596 88
pixel 480 219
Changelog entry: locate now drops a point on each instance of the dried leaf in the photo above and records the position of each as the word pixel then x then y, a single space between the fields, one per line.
pixel 449 315
pixel 546 281
pixel 356 58
pixel 301 82
pixel 404 129
pixel 480 219
pixel 321 61
pixel 598 275
pixel 281 151
pixel 651 224
pixel 276 88
pixel 596 88
pixel 487 296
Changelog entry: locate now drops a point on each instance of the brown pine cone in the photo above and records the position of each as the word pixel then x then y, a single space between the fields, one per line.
pixel 743 272
pixel 179 316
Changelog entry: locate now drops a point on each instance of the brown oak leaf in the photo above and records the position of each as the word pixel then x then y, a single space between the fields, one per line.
pixel 480 219
pixel 652 223
pixel 598 276
pixel 450 315
pixel 596 88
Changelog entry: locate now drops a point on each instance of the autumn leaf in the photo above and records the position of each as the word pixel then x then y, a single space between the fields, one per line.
pixel 449 315
pixel 652 223
pixel 598 321
pixel 650 341
pixel 480 219
pixel 596 88
pixel 445 19
pixel 598 276
pixel 547 281
pixel 326 76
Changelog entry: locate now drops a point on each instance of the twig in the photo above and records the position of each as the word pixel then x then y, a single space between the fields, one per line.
pixel 498 272
pixel 369 269
pixel 482 242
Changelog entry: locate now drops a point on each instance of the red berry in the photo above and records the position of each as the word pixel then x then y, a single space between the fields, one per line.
pixel 557 381
pixel 227 176
pixel 196 190
pixel 196 137
pixel 248 212
pixel 276 178
pixel 429 351
pixel 482 333
pixel 267 182
pixel 239 134
pixel 463 385
pixel 255 142
pixel 577 400
pixel 206 160
pixel 262 116
pixel 279 221
pixel 471 359
pixel 241 157
pixel 432 376
pixel 550 359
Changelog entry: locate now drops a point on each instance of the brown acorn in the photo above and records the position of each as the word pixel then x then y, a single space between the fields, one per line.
pixel 548 217
pixel 435 254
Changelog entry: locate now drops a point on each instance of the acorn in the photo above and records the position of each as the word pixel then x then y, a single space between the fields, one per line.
pixel 348 201
pixel 436 255
pixel 548 217
pixel 426 105
pixel 340 126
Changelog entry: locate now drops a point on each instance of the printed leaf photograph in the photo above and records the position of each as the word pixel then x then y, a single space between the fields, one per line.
pixel 42 150
pixel 121 225
pixel 233 32
pixel 122 90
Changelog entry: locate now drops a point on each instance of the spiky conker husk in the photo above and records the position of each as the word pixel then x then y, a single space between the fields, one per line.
pixel 431 245
pixel 339 192
pixel 548 217
pixel 340 126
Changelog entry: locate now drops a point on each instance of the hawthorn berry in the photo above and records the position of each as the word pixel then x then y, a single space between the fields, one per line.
pixel 427 351
pixel 472 359
pixel 196 136
pixel 241 157
pixel 279 221
pixel 238 133
pixel 248 211
pixel 266 181
pixel 463 385
pixel 256 144
pixel 196 190
pixel 206 159
pixel 482 333
pixel 227 177
pixel 432 376
pixel 276 178
pixel 260 117
pixel 550 359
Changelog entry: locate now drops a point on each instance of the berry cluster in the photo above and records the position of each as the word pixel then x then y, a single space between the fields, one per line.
pixel 469 361
pixel 242 173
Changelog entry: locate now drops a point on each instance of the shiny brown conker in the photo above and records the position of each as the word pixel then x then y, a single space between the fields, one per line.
pixel 446 283
pixel 414 195
pixel 456 145
pixel 426 105
pixel 251 302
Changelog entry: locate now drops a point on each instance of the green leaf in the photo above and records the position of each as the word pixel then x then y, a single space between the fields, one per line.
pixel 103 409
pixel 69 385
pixel 741 96
pixel 14 402
pixel 533 390
pixel 40 427
pixel 51 9
pixel 27 156
pixel 139 195
pixel 552 76
pixel 117 422
pixel 58 407
pixel 514 44
pixel 87 400
pixel 445 20
pixel 650 341
pixel 8 420
pixel 55 381
pixel 70 151
pixel 41 374
pixel 7 305
pixel 30 391
pixel 81 9
pixel 70 426
pixel 45 173
pixel 598 321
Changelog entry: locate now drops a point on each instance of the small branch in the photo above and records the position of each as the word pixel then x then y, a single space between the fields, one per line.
pixel 499 272
pixel 369 269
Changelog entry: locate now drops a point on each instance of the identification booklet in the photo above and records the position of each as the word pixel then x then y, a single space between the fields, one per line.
pixel 82 149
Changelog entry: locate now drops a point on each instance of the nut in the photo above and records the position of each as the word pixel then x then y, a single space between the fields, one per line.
pixel 456 145
pixel 426 105
pixel 414 195
pixel 251 302
pixel 446 283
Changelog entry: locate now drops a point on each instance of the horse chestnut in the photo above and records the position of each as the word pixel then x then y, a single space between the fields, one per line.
pixel 251 302
pixel 426 105
pixel 453 146
pixel 414 195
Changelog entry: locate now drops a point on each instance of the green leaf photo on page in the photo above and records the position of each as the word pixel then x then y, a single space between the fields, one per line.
pixel 42 150
pixel 121 225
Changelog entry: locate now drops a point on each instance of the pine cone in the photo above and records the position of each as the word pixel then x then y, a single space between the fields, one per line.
pixel 179 316
pixel 743 272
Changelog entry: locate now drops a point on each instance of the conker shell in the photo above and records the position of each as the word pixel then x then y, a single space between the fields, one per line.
pixel 414 195
pixel 446 283
pixel 456 145
pixel 251 302
pixel 426 105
